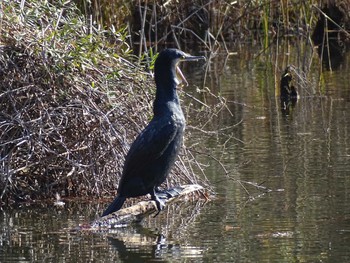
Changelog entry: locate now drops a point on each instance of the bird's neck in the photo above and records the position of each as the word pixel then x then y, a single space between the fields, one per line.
pixel 166 100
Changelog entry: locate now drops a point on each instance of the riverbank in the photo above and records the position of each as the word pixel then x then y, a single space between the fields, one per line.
pixel 72 98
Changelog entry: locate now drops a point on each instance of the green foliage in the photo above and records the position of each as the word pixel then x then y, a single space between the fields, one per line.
pixel 148 59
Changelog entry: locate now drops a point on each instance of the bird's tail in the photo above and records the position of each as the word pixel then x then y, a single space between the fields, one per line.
pixel 115 205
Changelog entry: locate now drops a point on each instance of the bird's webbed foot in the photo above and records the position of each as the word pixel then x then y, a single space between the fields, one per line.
pixel 163 194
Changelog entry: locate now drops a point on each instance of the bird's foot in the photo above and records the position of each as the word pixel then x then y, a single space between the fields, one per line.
pixel 163 194
pixel 172 192
pixel 160 199
pixel 160 203
pixel 168 193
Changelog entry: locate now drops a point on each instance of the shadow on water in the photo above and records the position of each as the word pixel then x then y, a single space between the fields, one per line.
pixel 141 246
pixel 300 161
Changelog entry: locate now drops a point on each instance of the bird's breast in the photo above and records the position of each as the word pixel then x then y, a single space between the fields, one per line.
pixel 176 114
pixel 178 120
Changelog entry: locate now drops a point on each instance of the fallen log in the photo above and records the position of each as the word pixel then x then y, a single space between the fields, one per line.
pixel 135 213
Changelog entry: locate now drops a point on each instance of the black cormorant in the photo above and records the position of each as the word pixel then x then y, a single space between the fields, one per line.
pixel 288 91
pixel 155 149
pixel 289 95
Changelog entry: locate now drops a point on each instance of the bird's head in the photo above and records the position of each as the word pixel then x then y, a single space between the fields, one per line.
pixel 287 75
pixel 166 65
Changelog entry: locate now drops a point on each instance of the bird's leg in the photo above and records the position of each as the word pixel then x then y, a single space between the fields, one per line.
pixel 160 203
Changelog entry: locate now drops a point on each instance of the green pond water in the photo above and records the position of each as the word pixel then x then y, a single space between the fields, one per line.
pixel 298 211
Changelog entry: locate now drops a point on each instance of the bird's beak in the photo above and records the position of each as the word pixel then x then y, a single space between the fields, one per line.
pixel 286 75
pixel 187 57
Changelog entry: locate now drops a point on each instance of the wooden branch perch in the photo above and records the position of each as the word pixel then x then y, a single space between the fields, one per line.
pixel 136 213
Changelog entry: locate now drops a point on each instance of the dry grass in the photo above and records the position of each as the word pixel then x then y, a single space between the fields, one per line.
pixel 213 24
pixel 70 103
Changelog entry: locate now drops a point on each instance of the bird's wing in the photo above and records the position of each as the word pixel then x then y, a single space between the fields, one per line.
pixel 151 143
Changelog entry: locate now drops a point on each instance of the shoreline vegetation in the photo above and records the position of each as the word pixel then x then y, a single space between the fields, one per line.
pixel 214 24
pixel 75 91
